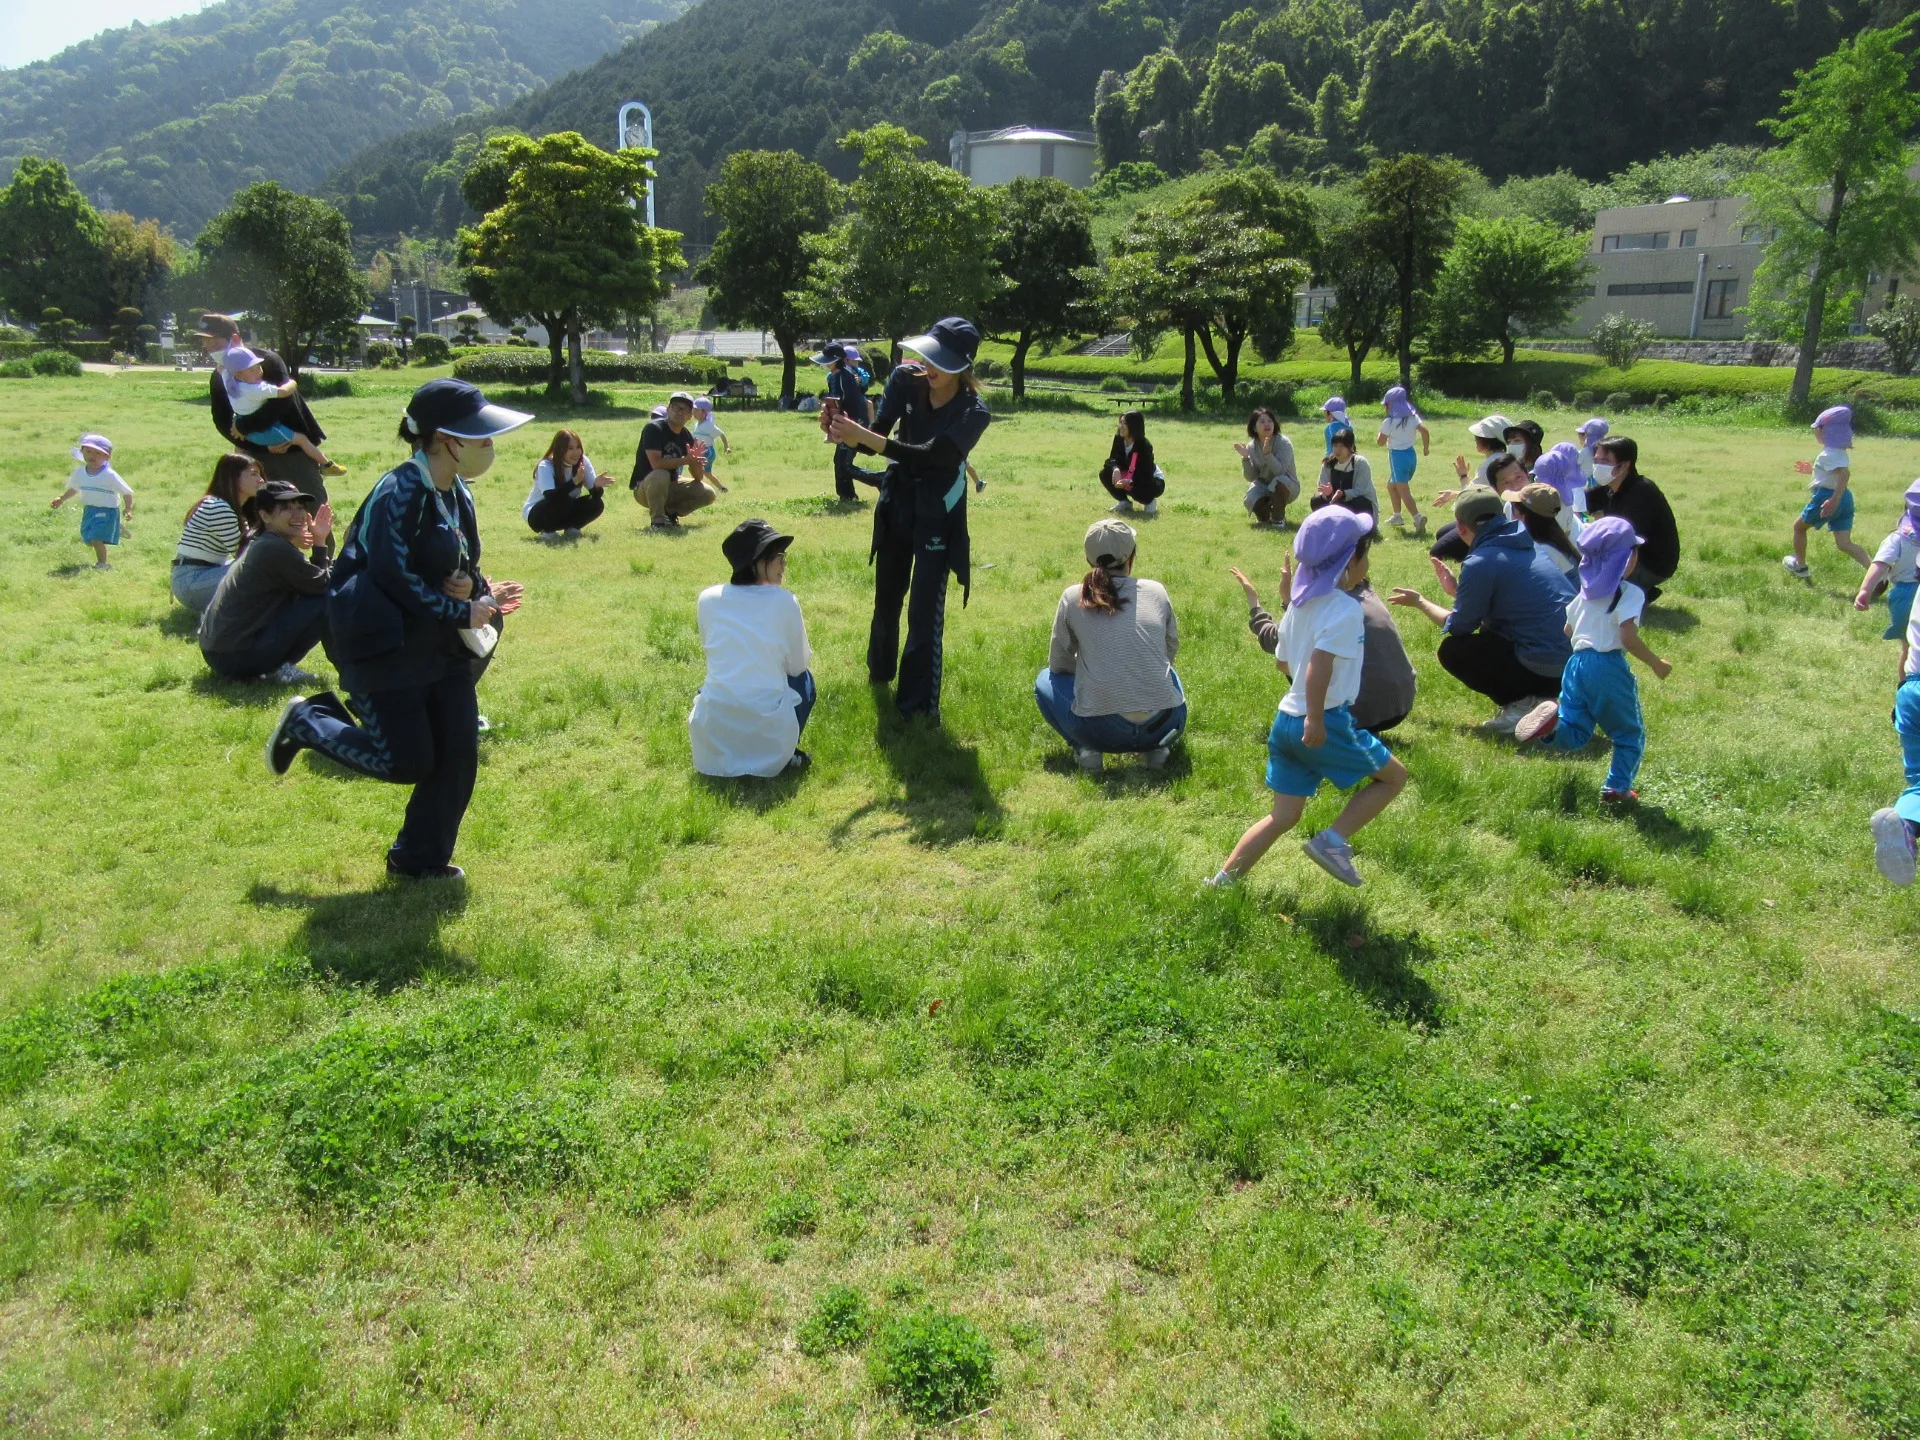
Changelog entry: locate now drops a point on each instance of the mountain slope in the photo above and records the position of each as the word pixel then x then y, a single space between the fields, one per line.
pixel 169 120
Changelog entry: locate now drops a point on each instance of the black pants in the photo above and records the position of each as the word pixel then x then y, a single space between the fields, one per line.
pixel 556 511
pixel 1486 663
pixel 1146 488
pixel 426 736
pixel 1447 544
pixel 919 577
pixel 292 630
pixel 845 472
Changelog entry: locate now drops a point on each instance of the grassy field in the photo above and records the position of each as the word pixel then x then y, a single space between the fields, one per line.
pixel 1565 1125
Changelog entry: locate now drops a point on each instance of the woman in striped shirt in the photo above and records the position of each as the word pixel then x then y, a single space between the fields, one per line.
pixel 218 527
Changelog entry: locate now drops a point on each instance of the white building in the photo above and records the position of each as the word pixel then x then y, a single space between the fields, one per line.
pixel 993 157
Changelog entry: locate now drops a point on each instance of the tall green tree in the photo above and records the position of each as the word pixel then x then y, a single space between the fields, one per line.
pixel 562 241
pixel 286 257
pixel 1045 254
pixel 1365 289
pixel 1836 192
pixel 918 245
pixel 768 202
pixel 1406 212
pixel 52 243
pixel 1502 276
pixel 138 259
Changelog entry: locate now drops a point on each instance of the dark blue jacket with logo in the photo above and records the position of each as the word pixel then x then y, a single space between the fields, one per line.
pixel 1511 588
pixel 925 493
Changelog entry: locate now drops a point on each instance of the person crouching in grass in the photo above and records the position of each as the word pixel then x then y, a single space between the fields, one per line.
pixel 1322 643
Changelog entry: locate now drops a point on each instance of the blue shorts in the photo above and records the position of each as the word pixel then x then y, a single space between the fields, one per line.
pixel 274 435
pixel 1899 609
pixel 1841 519
pixel 1349 755
pixel 1401 465
pixel 101 523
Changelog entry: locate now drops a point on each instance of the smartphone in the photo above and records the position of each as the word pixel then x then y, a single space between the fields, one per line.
pixel 829 412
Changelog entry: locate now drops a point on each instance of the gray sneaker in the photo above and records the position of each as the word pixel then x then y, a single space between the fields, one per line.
pixel 1156 759
pixel 1893 848
pixel 1335 856
pixel 1799 569
pixel 1091 761
pixel 1506 717
pixel 294 675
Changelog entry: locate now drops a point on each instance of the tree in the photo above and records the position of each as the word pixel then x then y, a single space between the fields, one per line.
pixel 1407 206
pixel 1150 283
pixel 919 244
pixel 1898 328
pixel 1502 276
pixel 52 243
pixel 1364 290
pixel 284 257
pixel 1044 252
pixel 138 259
pixel 767 202
pixel 1835 193
pixel 561 239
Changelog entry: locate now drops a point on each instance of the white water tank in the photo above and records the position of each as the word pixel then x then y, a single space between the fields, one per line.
pixel 993 157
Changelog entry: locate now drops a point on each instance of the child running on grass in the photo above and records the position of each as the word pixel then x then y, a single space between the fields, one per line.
pixel 1894 826
pixel 1830 506
pixel 1398 431
pixel 1597 689
pixel 1896 568
pixel 1321 645
pixel 241 371
pixel 106 500
pixel 707 430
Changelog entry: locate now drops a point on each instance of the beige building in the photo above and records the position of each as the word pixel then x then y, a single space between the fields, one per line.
pixel 1686 266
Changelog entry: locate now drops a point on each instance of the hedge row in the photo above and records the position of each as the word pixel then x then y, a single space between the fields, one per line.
pixel 97 352
pixel 515 366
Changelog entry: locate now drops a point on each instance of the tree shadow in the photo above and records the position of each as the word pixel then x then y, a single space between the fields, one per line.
pixel 1379 966
pixel 548 408
pixel 385 938
pixel 1662 616
pixel 947 799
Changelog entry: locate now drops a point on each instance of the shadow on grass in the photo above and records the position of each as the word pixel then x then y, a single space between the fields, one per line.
pixel 947 799
pixel 385 938
pixel 180 623
pixel 1380 967
pixel 242 694
pixel 748 792
pixel 67 572
pixel 1663 832
pixel 1662 616
pixel 548 408
pixel 1123 772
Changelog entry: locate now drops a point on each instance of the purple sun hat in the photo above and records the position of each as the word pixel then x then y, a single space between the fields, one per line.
pixel 1834 426
pixel 1592 432
pixel 1910 517
pixel 1399 407
pixel 1334 406
pixel 1322 546
pixel 1605 547
pixel 1560 468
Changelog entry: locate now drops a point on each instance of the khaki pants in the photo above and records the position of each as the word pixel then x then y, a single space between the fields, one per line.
pixel 664 496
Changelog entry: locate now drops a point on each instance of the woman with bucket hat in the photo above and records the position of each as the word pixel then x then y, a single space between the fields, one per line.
pixel 920 524
pixel 412 620
pixel 752 708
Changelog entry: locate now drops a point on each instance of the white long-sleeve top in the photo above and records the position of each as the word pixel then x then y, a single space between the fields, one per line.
pixel 744 720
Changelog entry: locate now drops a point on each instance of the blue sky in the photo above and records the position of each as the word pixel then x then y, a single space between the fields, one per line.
pixel 34 29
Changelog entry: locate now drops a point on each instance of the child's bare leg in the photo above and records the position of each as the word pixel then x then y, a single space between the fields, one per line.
pixel 1843 542
pixel 310 450
pixel 99 551
pixel 1370 799
pixel 1261 835
pixel 1800 542
pixel 1393 494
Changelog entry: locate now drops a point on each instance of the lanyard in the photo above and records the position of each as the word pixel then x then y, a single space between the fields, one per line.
pixel 451 514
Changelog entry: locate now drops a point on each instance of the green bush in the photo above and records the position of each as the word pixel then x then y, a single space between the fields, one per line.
pixel 529 367
pixel 431 350
pixel 989 369
pixel 840 1320
pixel 1583 400
pixel 1279 396
pixel 936 1365
pixel 1115 385
pixel 1619 400
pixel 1621 340
pixel 94 352
pixel 55 362
pixel 1543 400
pixel 379 352
pixel 16 369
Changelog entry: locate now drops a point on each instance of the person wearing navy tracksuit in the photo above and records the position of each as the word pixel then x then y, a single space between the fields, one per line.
pixel 920 525
pixel 844 385
pixel 406 604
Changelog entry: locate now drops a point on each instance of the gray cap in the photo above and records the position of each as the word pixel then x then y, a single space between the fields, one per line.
pixel 1110 542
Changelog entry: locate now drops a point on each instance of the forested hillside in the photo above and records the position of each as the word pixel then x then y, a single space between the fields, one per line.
pixel 167 121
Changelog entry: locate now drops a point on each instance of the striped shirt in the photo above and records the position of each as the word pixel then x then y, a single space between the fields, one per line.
pixel 212 533
pixel 1122 661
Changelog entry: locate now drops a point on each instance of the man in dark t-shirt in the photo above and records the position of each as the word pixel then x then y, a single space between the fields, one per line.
pixel 666 447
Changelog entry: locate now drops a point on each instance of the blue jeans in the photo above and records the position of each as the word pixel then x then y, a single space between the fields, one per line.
pixel 1597 691
pixel 803 686
pixel 1906 720
pixel 193 585
pixel 1109 734
pixel 290 632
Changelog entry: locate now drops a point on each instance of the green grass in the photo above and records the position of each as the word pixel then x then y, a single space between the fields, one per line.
pixel 928 1083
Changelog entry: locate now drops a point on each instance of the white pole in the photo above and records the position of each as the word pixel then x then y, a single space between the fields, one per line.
pixel 625 142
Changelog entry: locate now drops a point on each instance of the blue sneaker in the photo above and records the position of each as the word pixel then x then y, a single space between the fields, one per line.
pixel 1333 855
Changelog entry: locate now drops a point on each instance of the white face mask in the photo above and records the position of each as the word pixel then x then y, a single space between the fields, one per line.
pixel 1517 449
pixel 1602 473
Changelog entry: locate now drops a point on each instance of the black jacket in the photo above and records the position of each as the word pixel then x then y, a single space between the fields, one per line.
pixel 1639 502
pixel 923 499
pixel 291 412
pixel 1117 459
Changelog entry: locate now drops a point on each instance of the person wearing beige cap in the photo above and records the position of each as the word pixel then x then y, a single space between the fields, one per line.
pixel 1109 687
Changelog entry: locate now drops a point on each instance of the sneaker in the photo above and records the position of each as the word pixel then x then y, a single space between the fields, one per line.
pixel 1397 520
pixel 1619 797
pixel 333 470
pixel 1125 507
pixel 102 565
pixel 1538 723
pixel 1091 761
pixel 1893 848
pixel 1506 717
pixel 1333 855
pixel 667 524
pixel 481 725
pixel 283 743
pixel 294 675
pixel 1799 569
pixel 799 760
pixel 439 872
pixel 1221 880
pixel 1153 508
pixel 573 532
pixel 1156 759
pixel 1420 524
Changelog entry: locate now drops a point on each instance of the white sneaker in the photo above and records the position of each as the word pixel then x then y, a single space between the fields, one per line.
pixel 1091 761
pixel 1539 723
pixel 1799 569
pixel 1153 507
pixel 1420 524
pixel 1397 520
pixel 294 675
pixel 1125 507
pixel 1156 759
pixel 1893 848
pixel 1506 717
pixel 1333 855
pixel 1221 880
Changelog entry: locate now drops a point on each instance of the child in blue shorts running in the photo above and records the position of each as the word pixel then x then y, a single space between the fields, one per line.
pixel 1830 506
pixel 1322 642
pixel 1398 431
pixel 1895 826
pixel 1896 568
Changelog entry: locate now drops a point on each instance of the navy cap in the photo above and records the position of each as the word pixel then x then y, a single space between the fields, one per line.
pixel 949 346
pixel 453 407
pixel 275 493
pixel 830 352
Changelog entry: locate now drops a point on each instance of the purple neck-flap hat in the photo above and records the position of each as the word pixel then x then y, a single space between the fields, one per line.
pixel 1605 547
pixel 1593 431
pixel 1834 426
pixel 1910 517
pixel 1399 407
pixel 1560 468
pixel 1322 546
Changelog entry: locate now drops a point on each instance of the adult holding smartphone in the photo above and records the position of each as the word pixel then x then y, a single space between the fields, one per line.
pixel 405 607
pixel 920 525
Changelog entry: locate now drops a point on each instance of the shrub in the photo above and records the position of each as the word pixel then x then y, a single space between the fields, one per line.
pixel 20 369
pixel 1115 385
pixel 55 362
pixel 1584 399
pixel 431 350
pixel 937 1366
pixel 1621 340
pixel 379 352
pixel 840 1320
pixel 1543 400
pixel 989 369
pixel 1129 177
pixel 1619 400
pixel 1898 328
pixel 529 367
pixel 1278 396
pixel 1367 392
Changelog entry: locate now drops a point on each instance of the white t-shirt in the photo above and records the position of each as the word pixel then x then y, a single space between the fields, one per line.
pixel 1913 643
pixel 248 396
pixel 1402 434
pixel 743 720
pixel 1901 554
pixel 543 477
pixel 709 431
pixel 106 488
pixel 1827 461
pixel 1584 459
pixel 1594 626
pixel 1335 623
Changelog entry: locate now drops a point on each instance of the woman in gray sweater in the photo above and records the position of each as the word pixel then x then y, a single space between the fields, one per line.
pixel 1109 686
pixel 1266 460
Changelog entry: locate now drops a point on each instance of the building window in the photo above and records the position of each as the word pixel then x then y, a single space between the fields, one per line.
pixel 1645 240
pixel 1755 234
pixel 1720 300
pixel 1689 238
pixel 1656 287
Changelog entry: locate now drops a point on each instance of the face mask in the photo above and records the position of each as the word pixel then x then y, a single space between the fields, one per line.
pixel 1602 473
pixel 1517 449
pixel 470 461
